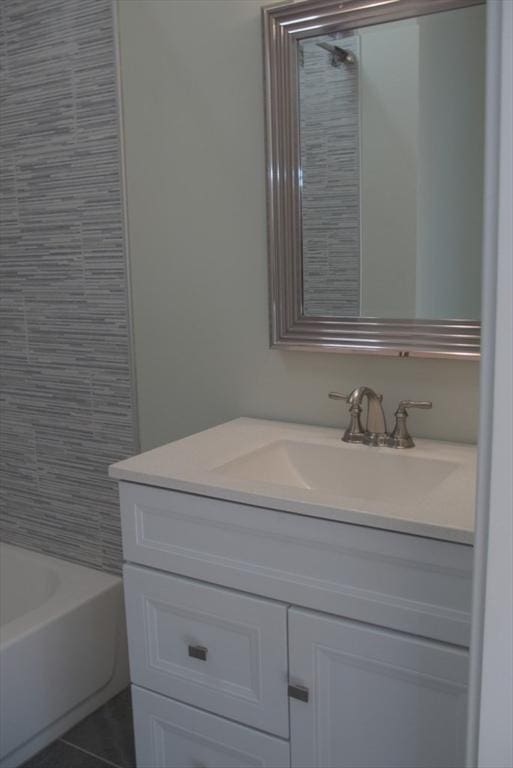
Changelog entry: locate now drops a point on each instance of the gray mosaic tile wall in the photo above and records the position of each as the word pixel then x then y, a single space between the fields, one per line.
pixel 330 158
pixel 66 397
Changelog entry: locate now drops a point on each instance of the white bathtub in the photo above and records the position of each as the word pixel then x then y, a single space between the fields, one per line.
pixel 62 648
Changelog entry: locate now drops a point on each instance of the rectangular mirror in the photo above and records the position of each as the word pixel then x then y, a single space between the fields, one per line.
pixel 375 135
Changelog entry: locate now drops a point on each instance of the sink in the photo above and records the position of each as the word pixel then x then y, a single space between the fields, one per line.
pixel 373 474
pixel 306 470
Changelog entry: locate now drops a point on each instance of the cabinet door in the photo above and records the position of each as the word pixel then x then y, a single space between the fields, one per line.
pixel 172 735
pixel 375 698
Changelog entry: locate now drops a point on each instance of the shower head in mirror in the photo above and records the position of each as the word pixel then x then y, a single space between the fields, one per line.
pixel 338 55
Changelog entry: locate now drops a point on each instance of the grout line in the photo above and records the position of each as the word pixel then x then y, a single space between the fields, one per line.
pixel 91 754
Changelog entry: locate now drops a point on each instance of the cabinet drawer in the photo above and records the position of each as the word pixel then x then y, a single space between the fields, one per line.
pixel 172 735
pixel 408 583
pixel 209 647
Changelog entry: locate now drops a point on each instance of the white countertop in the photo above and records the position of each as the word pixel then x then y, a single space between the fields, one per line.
pixel 195 464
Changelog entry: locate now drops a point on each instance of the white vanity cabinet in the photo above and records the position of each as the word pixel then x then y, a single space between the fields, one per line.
pixel 263 638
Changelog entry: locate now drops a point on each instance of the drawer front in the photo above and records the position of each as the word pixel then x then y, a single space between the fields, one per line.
pixel 408 583
pixel 209 647
pixel 173 735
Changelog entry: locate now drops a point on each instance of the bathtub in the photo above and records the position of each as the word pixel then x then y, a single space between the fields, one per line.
pixel 62 648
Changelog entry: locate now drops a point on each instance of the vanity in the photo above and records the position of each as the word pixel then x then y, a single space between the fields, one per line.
pixel 296 600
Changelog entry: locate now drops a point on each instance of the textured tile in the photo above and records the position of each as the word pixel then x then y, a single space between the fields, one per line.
pixel 66 409
pixel 62 755
pixel 18 461
pixel 330 205
pixel 108 732
pixel 13 336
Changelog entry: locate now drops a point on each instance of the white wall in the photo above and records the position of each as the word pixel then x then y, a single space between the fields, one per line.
pixel 194 139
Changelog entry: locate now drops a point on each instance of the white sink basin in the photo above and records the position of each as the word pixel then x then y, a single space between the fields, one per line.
pixel 363 473
pixel 427 490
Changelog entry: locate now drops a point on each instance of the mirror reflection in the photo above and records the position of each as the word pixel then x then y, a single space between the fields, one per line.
pixel 391 150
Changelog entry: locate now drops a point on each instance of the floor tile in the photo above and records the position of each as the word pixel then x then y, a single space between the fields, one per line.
pixel 61 755
pixel 108 732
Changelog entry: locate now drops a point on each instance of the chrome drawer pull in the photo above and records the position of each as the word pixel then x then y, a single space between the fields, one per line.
pixel 298 692
pixel 198 652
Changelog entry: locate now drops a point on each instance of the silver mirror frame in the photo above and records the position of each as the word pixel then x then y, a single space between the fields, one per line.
pixel 284 24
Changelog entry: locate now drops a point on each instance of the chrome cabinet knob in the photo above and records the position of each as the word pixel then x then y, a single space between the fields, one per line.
pixel 198 652
pixel 299 692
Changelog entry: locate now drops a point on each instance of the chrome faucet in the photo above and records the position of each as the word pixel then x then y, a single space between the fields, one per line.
pixel 375 430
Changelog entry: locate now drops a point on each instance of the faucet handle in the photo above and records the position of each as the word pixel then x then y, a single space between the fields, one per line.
pixel 400 437
pixel 405 404
pixel 337 396
pixel 354 432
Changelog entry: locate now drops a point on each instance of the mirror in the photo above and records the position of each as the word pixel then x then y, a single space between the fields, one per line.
pixel 375 128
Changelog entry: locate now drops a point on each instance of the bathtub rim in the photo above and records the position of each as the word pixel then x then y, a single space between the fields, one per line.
pixel 78 585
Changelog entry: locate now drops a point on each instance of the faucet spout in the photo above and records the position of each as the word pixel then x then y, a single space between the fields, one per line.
pixel 375 431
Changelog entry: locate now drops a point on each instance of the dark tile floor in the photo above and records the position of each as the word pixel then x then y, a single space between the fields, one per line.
pixel 105 738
